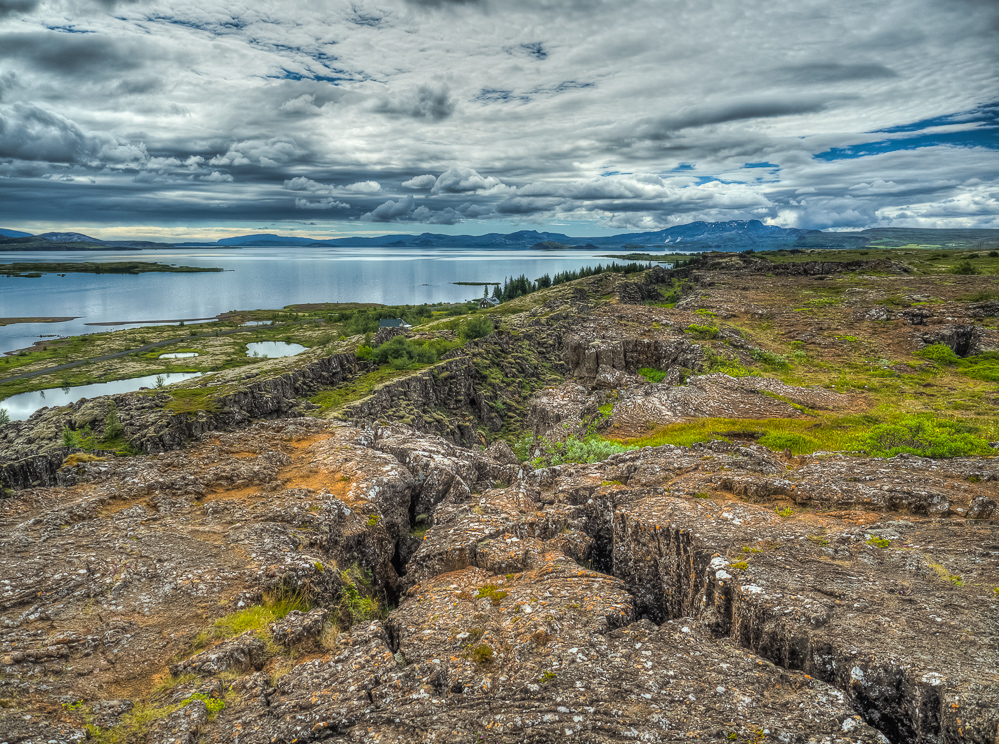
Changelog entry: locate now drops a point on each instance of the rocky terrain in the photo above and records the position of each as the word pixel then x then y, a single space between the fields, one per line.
pixel 388 570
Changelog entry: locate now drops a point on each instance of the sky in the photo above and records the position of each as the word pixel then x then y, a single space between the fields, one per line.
pixel 211 118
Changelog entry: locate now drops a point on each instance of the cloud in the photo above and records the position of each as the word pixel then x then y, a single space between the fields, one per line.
pixel 597 115
pixel 463 180
pixel 31 133
pixel 301 183
pixel 216 177
pixel 420 183
pixel 391 211
pixel 269 153
pixel 422 102
pixel 320 204
pixel 10 7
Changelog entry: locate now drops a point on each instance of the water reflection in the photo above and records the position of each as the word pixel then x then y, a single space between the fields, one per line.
pixel 273 349
pixel 20 407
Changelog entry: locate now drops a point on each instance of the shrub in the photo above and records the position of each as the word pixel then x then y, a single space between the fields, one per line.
pixel 591 449
pixel 112 424
pixel 702 331
pixel 965 268
pixel 4 417
pixel 771 360
pixel 475 327
pixel 922 436
pixel 401 353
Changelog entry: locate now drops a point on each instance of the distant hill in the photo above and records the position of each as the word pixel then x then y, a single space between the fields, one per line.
pixel 733 235
pixel 69 241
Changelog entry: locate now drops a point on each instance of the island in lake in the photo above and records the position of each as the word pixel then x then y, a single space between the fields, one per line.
pixel 35 270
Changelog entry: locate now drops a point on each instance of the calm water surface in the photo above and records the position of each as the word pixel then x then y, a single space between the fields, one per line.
pixel 256 278
pixel 273 349
pixel 21 406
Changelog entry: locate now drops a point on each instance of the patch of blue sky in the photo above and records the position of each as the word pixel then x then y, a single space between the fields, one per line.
pixel 535 49
pixel 221 26
pixel 987 113
pixel 683 167
pixel 987 138
pixel 497 95
pixel 70 30
pixel 980 129
pixel 762 164
pixel 564 86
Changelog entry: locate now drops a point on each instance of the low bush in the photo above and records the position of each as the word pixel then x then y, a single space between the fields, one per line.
pixel 923 436
pixel 965 268
pixel 590 449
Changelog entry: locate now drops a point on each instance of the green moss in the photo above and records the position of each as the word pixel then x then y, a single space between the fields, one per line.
pixel 192 400
pixel 492 593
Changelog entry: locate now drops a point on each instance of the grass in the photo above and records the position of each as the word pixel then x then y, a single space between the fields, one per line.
pixel 651 374
pixel 920 434
pixel 191 400
pixel 357 389
pixel 255 618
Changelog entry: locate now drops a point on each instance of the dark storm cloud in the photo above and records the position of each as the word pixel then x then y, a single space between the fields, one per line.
pixel 73 54
pixel 746 109
pixel 32 133
pixel 423 102
pixel 823 73
pixel 10 7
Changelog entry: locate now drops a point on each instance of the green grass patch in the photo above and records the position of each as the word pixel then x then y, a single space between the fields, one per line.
pixel 651 374
pixel 358 388
pixel 884 436
pixel 191 400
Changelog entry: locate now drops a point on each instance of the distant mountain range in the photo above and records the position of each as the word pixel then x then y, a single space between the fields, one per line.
pixel 734 235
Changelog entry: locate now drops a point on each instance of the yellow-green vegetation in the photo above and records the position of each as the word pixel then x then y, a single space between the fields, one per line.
pixel 135 725
pixel 355 390
pixel 358 602
pixel 702 331
pixel 884 434
pixel 481 654
pixel 192 400
pixel 256 618
pixel 941 571
pixel 493 593
pixel 878 542
pixel 79 457
pixel 741 565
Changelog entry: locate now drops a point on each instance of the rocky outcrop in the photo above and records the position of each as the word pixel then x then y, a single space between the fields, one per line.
pixel 32 451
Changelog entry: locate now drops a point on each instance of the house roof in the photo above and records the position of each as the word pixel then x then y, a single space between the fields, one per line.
pixel 393 323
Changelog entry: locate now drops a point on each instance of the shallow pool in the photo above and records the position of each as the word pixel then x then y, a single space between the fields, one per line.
pixel 273 349
pixel 21 406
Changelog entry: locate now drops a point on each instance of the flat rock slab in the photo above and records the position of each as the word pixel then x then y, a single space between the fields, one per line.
pixel 551 654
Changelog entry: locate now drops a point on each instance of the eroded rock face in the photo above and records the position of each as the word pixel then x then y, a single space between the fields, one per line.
pixel 652 596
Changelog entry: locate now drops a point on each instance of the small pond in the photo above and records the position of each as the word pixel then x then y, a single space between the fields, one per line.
pixel 273 349
pixel 179 355
pixel 258 323
pixel 21 406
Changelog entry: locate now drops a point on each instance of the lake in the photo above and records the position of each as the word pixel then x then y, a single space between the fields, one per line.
pixel 21 406
pixel 256 278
